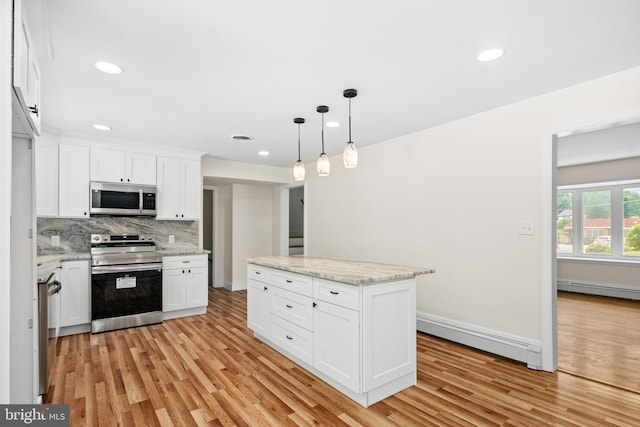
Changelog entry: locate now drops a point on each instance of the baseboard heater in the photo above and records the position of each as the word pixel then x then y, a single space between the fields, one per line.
pixel 599 289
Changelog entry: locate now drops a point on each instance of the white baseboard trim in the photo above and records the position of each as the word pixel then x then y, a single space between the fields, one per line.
pixel 495 342
pixel 599 289
pixel 235 286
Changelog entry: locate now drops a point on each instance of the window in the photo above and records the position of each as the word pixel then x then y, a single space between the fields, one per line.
pixel 631 222
pixel 599 220
pixel 596 222
pixel 565 221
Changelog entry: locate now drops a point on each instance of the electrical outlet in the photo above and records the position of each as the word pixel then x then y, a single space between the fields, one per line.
pixel 55 240
pixel 527 228
pixel 172 238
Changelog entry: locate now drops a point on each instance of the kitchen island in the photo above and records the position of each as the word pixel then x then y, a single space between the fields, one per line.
pixel 350 323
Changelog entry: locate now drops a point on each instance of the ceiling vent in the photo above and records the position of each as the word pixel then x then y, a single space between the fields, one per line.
pixel 242 138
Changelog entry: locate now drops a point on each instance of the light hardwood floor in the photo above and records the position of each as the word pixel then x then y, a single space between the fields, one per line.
pixel 209 370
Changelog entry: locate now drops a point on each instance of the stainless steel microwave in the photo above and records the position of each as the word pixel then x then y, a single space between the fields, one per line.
pixel 122 199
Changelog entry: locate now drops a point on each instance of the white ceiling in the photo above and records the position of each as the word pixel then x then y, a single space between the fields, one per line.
pixel 199 71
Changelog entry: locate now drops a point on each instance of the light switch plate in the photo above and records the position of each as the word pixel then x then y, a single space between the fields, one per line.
pixel 55 240
pixel 172 238
pixel 527 228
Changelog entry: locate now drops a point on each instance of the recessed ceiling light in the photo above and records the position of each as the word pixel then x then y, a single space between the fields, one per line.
pixel 490 55
pixel 332 124
pixel 102 127
pixel 109 68
pixel 263 153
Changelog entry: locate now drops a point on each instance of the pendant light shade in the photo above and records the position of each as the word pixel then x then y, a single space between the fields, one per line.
pixel 350 153
pixel 323 166
pixel 298 168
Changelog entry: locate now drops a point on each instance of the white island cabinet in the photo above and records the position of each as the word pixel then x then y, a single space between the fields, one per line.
pixel 352 324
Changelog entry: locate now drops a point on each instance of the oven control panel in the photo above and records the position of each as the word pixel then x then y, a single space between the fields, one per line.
pixel 107 238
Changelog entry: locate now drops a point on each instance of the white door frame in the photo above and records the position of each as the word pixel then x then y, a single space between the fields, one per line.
pixel 549 288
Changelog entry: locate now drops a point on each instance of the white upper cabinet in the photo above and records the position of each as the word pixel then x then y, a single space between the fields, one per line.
pixel 121 166
pixel 179 187
pixel 46 177
pixel 26 72
pixel 73 178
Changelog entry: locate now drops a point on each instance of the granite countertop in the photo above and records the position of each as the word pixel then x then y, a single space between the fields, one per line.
pixel 344 271
pixel 46 264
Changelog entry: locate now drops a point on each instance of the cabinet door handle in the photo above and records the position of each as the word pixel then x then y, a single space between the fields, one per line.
pixel 189 270
pixel 289 338
pixel 258 273
pixel 182 271
pixel 265 288
pixel 289 281
pixel 34 109
pixel 334 293
pixel 289 306
pixel 314 305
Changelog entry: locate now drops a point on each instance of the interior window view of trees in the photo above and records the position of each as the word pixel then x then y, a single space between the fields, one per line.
pixel 599 220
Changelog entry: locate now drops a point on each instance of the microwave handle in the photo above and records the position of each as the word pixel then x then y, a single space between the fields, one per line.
pixel 140 200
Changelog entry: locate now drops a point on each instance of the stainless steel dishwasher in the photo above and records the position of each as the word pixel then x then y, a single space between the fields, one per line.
pixel 48 324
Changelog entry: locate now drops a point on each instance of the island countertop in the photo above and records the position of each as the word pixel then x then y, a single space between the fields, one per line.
pixel 344 271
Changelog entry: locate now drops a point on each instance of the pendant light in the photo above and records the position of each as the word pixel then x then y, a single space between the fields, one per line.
pixel 350 153
pixel 323 165
pixel 298 168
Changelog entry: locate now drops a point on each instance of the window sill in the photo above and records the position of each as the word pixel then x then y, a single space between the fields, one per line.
pixel 594 260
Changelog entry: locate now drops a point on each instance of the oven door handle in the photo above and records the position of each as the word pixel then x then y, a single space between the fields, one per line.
pixel 103 269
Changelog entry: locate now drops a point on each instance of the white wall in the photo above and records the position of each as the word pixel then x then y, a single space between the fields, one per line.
pixel 218 168
pixel 223 243
pixel 452 198
pixel 5 196
pixel 252 227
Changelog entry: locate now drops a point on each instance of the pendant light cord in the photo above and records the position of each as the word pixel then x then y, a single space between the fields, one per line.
pixel 298 141
pixel 323 134
pixel 349 119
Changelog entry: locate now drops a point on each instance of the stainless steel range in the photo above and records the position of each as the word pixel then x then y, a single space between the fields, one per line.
pixel 126 282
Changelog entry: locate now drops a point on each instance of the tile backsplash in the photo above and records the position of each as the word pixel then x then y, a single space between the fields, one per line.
pixel 75 232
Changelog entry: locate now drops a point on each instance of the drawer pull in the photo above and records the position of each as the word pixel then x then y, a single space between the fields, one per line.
pixel 289 281
pixel 258 273
pixel 289 306
pixel 265 288
pixel 289 338
pixel 334 293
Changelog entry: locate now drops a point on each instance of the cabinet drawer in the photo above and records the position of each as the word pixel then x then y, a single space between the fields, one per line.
pixel 295 308
pixel 261 274
pixel 293 282
pixel 292 338
pixel 184 261
pixel 337 293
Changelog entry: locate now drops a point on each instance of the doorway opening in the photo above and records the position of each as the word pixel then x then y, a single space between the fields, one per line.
pixel 207 229
pixel 296 220
pixel 595 291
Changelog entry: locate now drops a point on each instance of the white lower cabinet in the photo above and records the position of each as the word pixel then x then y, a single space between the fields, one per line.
pixel 361 339
pixel 258 307
pixel 337 344
pixel 184 285
pixel 75 296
